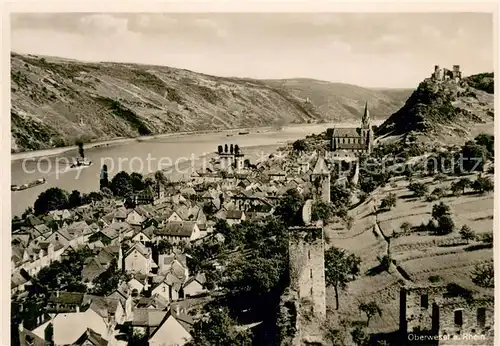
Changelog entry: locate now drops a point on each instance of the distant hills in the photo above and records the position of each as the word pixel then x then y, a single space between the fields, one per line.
pixel 445 111
pixel 56 101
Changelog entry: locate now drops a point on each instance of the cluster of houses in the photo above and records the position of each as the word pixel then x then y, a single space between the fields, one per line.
pixel 159 296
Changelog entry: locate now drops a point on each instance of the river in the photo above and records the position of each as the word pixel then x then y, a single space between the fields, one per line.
pixel 145 156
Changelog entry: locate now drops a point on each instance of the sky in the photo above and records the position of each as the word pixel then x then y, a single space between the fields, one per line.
pixel 382 50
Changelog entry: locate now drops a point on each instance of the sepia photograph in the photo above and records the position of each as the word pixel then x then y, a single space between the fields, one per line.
pixel 251 178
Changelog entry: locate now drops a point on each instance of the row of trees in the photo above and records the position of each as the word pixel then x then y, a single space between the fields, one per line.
pixel 56 198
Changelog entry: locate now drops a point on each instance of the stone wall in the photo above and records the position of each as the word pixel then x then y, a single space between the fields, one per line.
pixel 307 267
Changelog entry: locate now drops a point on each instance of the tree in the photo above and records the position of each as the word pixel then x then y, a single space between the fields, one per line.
pixel 473 157
pixel 219 329
pixel 460 186
pixel 418 189
pixel 385 262
pixel 389 201
pixel 75 199
pixel 103 180
pixel 136 181
pixel 340 196
pixel 27 212
pixel 226 148
pixel 487 141
pixel 359 336
pixel 340 268
pixel 439 210
pixel 483 275
pixel 121 184
pixel 370 309
pixel 445 225
pixel 322 211
pixel 164 247
pixel 237 149
pixel 406 227
pixel 51 199
pixel 231 148
pixel 289 206
pixel 299 145
pixel 482 185
pixel 486 238
pixel 467 233
pixel 161 178
pixel 220 149
pixel 439 192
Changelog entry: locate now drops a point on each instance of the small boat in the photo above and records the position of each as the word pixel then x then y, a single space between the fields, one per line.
pixel 28 185
pixel 81 163
pixel 243 133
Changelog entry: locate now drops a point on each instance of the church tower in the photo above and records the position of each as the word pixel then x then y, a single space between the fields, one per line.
pixel 366 130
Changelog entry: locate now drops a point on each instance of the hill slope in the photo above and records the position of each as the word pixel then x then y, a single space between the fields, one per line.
pixel 446 110
pixel 56 101
pixel 344 102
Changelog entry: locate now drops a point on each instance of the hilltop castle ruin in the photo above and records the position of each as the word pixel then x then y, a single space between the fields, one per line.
pixel 443 74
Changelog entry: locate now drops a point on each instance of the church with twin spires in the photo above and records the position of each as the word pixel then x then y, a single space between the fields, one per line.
pixel 353 140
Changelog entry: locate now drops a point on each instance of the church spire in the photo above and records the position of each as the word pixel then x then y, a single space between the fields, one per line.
pixel 365 123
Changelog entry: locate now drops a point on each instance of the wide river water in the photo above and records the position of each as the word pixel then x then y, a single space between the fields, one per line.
pixel 143 156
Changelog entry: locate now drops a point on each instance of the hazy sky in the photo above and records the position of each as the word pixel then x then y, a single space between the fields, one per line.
pixel 372 49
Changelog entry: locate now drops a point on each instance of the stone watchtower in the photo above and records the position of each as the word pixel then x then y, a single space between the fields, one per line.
pixel 307 264
pixel 320 177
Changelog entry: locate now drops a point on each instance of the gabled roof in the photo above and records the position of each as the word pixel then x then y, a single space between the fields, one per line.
pixel 177 229
pixel 321 167
pixel 148 317
pixel 67 298
pixel 140 248
pixel 234 214
pixel 92 337
pixel 350 132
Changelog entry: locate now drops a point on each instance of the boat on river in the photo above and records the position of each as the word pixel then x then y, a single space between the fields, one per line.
pixel 80 163
pixel 28 185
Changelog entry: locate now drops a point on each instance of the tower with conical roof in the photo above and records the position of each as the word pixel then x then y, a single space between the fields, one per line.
pixel 366 130
pixel 320 177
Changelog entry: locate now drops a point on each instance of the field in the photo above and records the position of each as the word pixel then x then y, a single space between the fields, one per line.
pixel 416 256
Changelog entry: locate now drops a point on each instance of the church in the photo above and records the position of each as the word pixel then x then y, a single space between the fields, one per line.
pixel 351 140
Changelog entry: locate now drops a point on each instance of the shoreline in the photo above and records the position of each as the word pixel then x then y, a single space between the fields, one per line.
pixel 117 141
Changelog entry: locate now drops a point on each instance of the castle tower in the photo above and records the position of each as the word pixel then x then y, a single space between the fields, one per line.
pixel 307 264
pixel 366 129
pixel 320 177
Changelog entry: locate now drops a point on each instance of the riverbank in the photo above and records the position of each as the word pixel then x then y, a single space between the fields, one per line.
pixel 57 151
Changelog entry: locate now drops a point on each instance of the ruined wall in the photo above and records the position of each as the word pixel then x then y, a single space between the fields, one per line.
pixel 307 267
pixel 470 325
pixel 418 317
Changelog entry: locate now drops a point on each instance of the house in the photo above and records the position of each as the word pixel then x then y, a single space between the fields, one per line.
pixel 60 302
pixel 106 307
pixel 138 283
pixel 151 195
pixel 145 236
pixel 235 217
pixel 194 286
pixel 173 331
pixel 68 328
pixel 58 215
pixel 138 259
pixel 96 265
pixel 174 263
pixel 154 302
pixel 176 232
pixel 91 338
pixel 134 218
pixel 168 287
pixel 19 280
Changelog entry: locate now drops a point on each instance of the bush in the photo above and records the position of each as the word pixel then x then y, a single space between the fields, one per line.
pixel 435 278
pixel 467 233
pixel 418 189
pixel 439 210
pixel 445 225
